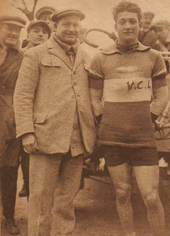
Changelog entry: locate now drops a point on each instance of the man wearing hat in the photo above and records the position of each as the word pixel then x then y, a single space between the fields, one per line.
pixel 162 29
pixel 55 121
pixel 10 61
pixel 146 35
pixel 44 13
pixel 38 33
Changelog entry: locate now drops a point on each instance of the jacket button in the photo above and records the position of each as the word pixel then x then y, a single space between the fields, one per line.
pixel 3 87
pixel 74 73
pixel 78 95
pixel 75 83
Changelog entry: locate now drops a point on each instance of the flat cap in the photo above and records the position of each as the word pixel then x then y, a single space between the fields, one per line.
pixel 66 12
pixel 39 22
pixel 44 10
pixel 149 14
pixel 161 24
pixel 15 20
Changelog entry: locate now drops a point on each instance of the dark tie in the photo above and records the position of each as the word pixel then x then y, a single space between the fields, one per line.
pixel 71 55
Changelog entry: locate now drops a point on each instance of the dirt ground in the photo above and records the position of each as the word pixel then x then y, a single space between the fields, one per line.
pixel 96 211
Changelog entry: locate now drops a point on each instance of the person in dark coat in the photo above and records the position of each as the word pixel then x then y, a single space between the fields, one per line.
pixel 10 61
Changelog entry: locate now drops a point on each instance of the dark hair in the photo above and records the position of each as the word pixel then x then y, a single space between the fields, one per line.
pixel 126 6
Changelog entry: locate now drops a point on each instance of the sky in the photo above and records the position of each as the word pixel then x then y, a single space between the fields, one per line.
pixel 98 12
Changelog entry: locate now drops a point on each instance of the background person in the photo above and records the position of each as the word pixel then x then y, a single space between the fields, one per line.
pixel 44 13
pixel 147 35
pixel 162 29
pixel 10 61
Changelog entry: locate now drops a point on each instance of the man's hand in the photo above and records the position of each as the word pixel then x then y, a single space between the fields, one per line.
pixel 29 143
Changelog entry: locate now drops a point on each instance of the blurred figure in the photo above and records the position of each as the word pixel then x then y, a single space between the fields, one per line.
pixel 44 14
pixel 147 36
pixel 81 35
pixel 10 147
pixel 162 29
pixel 38 33
pixel 147 18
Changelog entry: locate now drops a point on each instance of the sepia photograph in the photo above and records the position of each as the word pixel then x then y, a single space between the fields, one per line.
pixel 85 118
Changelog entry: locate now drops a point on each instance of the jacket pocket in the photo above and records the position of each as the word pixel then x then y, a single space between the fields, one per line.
pixel 40 118
pixel 51 62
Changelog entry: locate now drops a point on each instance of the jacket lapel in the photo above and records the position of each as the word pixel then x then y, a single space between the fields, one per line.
pixel 55 49
pixel 13 56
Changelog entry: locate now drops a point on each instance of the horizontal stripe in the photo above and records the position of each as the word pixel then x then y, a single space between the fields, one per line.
pixel 94 75
pixel 135 89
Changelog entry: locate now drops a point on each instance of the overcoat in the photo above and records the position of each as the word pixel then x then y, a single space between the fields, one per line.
pixel 8 76
pixel 47 94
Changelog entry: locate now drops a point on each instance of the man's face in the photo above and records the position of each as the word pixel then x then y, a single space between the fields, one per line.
pixel 38 35
pixel 68 29
pixel 9 34
pixel 162 33
pixel 127 26
pixel 46 17
pixel 146 22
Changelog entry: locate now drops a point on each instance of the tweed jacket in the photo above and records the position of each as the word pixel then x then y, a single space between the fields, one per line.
pixel 47 93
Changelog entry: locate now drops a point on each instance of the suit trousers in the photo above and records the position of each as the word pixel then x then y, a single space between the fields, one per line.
pixel 8 175
pixel 25 157
pixel 54 183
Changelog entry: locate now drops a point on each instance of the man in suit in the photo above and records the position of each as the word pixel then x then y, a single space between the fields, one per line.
pixel 10 61
pixel 55 121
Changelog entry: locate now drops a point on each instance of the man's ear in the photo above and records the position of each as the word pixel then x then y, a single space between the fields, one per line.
pixel 140 24
pixel 55 26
